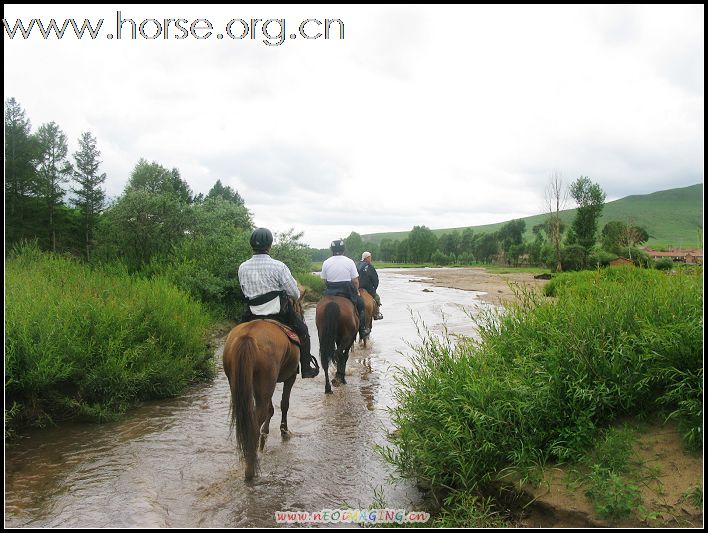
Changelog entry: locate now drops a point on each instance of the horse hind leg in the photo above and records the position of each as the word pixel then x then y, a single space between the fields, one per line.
pixel 342 365
pixel 264 419
pixel 285 405
pixel 328 384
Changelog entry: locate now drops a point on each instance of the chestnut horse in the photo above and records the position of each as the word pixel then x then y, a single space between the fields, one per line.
pixel 370 309
pixel 337 325
pixel 257 355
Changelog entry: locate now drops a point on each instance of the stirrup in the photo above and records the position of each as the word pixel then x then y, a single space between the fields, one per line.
pixel 310 372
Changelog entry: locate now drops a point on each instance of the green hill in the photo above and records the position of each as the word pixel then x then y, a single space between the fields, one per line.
pixel 672 218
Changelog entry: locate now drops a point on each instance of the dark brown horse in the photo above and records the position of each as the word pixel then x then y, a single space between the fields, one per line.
pixel 337 326
pixel 370 309
pixel 257 355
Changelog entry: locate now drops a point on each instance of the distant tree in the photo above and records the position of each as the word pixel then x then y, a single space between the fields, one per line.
pixel 556 197
pixel 403 252
pixel 422 243
pixel 156 179
pixel 440 258
pixel 89 196
pixel 217 216
pixel 52 171
pixel 180 188
pixel 617 235
pixel 467 241
pixel 143 225
pixel 487 247
pixel 289 249
pixel 515 252
pixel 387 250
pixel 450 243
pixel 574 257
pixel 591 200
pixel 511 234
pixel 633 236
pixel 354 246
pixel 21 152
pixel 227 193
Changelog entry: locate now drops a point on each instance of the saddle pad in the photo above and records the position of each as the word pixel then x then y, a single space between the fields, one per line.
pixel 289 332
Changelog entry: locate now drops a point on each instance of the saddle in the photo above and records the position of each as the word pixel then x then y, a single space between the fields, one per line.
pixel 294 338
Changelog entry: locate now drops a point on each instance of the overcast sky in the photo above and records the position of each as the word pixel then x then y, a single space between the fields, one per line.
pixel 420 115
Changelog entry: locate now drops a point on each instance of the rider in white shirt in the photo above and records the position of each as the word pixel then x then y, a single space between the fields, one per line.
pixel 342 279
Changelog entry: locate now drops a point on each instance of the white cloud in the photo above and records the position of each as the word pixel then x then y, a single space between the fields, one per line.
pixel 443 116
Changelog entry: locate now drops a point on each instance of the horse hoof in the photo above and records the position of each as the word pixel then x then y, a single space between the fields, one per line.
pixel 328 390
pixel 285 433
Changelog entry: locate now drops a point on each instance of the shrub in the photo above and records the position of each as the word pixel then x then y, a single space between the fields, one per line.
pixel 541 380
pixel 92 342
pixel 664 263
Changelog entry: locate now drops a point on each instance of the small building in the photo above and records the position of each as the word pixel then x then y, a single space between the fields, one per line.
pixel 695 256
pixel 621 261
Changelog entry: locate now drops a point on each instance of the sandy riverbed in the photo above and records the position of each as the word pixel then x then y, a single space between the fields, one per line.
pixel 498 288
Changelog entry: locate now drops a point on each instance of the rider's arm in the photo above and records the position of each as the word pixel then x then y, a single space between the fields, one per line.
pixel 289 283
pixel 355 282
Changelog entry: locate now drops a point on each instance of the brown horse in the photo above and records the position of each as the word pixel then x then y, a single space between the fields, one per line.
pixel 370 309
pixel 257 355
pixel 337 326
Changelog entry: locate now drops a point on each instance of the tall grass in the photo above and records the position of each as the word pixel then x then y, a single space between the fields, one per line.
pixel 91 342
pixel 545 376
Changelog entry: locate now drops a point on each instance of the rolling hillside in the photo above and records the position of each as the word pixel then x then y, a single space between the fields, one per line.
pixel 672 218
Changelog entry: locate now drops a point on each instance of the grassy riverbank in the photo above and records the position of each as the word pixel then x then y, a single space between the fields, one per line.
pixel 545 381
pixel 89 343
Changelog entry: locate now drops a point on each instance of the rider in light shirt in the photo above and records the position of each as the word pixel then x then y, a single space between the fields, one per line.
pixel 342 279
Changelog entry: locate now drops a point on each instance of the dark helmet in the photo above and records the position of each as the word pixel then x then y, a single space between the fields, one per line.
pixel 337 247
pixel 261 239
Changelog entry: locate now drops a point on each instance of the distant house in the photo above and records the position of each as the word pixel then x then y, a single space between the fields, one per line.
pixel 695 256
pixel 676 255
pixel 621 261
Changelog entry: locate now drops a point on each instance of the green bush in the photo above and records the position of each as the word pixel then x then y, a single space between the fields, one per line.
pixel 600 258
pixel 665 263
pixel 206 266
pixel 91 342
pixel 573 257
pixel 542 379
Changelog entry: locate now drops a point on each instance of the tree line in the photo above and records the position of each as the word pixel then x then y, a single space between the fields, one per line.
pixel 553 245
pixel 157 226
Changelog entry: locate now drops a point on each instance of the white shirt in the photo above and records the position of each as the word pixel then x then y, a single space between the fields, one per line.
pixel 338 268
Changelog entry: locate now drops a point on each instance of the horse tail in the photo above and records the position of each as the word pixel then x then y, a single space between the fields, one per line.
pixel 329 333
pixel 243 416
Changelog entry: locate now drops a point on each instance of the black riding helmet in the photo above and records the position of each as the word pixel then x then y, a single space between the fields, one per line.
pixel 261 239
pixel 337 247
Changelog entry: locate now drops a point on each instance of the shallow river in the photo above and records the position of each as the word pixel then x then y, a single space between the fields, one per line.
pixel 171 463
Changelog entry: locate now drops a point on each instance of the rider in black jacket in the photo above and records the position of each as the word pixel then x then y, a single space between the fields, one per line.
pixel 369 279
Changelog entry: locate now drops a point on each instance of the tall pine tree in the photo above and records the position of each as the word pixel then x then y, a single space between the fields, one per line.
pixel 52 171
pixel 89 196
pixel 20 158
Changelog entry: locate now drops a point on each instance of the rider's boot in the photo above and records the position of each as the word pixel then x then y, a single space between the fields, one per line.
pixel 363 330
pixel 308 364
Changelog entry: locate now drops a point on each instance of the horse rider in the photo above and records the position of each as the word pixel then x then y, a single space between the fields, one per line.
pixel 369 280
pixel 342 279
pixel 266 283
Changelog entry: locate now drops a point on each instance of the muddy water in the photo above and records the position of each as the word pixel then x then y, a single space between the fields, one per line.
pixel 172 464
